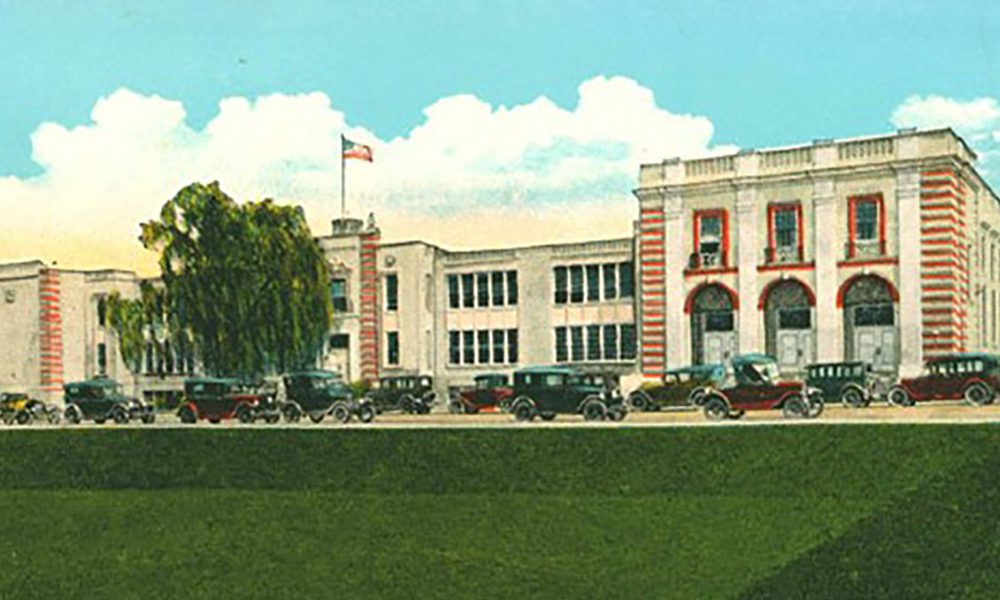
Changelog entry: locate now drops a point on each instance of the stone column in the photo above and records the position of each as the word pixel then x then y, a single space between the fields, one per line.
pixel 829 321
pixel 908 244
pixel 678 324
pixel 746 251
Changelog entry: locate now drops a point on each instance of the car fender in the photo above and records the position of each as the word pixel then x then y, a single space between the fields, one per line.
pixel 192 406
pixel 802 392
pixel 865 393
pixel 591 398
pixel 298 406
pixel 714 393
pixel 641 392
pixel 429 398
pixel 522 400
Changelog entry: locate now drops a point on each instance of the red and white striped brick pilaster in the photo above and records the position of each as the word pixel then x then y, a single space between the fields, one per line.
pixel 652 290
pixel 50 341
pixel 369 311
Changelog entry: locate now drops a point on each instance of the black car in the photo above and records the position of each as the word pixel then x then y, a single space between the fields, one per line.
pixel 548 391
pixel 411 394
pixel 101 399
pixel 855 383
pixel 317 394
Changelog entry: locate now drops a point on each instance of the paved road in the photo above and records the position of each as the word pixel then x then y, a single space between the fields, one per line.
pixel 939 412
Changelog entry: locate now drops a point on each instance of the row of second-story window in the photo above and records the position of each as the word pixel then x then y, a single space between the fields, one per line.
pixel 482 347
pixel 610 342
pixel 482 289
pixel 593 282
pixel 156 360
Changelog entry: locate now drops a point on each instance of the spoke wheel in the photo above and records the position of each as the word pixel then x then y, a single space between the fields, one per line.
pixel 594 410
pixel 899 397
pixel 524 411
pixel 366 414
pixel 341 413
pixel 715 408
pixel 978 394
pixel 852 398
pixel 794 408
pixel 638 402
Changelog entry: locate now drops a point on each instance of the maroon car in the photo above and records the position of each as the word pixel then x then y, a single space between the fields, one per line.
pixel 216 399
pixel 973 377
pixel 752 383
pixel 491 393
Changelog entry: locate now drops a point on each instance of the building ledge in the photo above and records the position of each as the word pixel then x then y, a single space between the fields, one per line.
pixel 791 266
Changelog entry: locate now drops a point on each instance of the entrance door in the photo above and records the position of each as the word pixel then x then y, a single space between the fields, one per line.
pixel 876 345
pixel 794 349
pixel 718 346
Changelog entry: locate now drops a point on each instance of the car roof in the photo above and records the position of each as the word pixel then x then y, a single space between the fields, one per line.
pixel 489 375
pixel 318 373
pixel 753 358
pixel 964 356
pixel 95 382
pixel 846 363
pixel 696 368
pixel 223 380
pixel 560 370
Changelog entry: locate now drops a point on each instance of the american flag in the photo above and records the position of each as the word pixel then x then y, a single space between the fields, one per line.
pixel 355 150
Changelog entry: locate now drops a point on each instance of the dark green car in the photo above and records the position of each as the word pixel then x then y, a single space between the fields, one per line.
pixel 854 384
pixel 411 394
pixel 548 391
pixel 101 399
pixel 317 394
pixel 683 387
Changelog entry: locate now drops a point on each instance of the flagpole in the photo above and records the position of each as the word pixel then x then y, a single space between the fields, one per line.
pixel 343 179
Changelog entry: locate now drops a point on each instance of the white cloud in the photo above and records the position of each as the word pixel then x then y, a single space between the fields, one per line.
pixel 977 121
pixel 467 158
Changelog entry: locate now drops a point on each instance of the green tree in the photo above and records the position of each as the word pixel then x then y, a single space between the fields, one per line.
pixel 246 286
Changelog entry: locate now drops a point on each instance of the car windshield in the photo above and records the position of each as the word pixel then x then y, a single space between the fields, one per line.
pixel 759 372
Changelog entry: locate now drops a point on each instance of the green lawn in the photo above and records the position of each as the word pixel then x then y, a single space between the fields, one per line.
pixel 665 513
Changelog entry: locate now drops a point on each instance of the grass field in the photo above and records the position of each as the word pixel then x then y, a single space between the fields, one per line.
pixel 764 512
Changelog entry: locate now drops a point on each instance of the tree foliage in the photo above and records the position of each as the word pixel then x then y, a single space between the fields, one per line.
pixel 245 284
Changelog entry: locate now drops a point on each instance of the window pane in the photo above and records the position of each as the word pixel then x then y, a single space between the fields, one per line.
pixel 719 320
pixel 512 288
pixel 874 315
pixel 562 354
pixel 454 351
pixel 340 341
pixel 338 295
pixel 484 346
pixel 610 342
pixel 593 342
pixel 794 318
pixel 453 291
pixel 498 288
pixel 559 280
pixel 482 289
pixel 626 279
pixel 866 220
pixel 786 228
pixel 498 345
pixel 711 227
pixel 392 347
pixel 391 292
pixel 628 341
pixel 512 345
pixel 593 283
pixel 610 281
pixel 468 291
pixel 576 283
pixel 576 340
pixel 468 347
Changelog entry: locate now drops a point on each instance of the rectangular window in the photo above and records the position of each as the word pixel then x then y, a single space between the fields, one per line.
pixel 498 346
pixel 340 341
pixel 392 347
pixel 593 342
pixel 794 318
pixel 576 283
pixel 454 347
pixel 786 228
pixel 874 315
pixel 512 288
pixel 562 355
pixel 610 281
pixel 391 292
pixel 453 296
pixel 710 240
pixel 626 279
pixel 102 311
pixel 576 343
pixel 468 347
pixel 560 281
pixel 593 283
pixel 866 220
pixel 149 358
pixel 498 288
pixel 610 342
pixel 512 345
pixel 628 341
pixel 338 294
pixel 102 358
pixel 482 289
pixel 484 346
pixel 468 291
pixel 719 320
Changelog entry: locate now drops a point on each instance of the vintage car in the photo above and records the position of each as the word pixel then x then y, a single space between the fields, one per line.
pixel 855 384
pixel 217 398
pixel 547 391
pixel 317 394
pixel 19 408
pixel 678 388
pixel 101 399
pixel 411 394
pixel 973 377
pixel 491 393
pixel 753 382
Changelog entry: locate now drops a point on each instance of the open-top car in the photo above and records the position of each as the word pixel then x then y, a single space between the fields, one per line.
pixel 548 391
pixel 100 399
pixel 753 382
pixel 317 394
pixel 682 387
pixel 973 377
pixel 855 383
pixel 411 394
pixel 21 409
pixel 216 399
pixel 490 393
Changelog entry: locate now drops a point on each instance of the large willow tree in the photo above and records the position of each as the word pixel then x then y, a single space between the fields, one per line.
pixel 246 284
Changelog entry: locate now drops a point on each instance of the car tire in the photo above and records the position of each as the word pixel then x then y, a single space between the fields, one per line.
pixel 715 408
pixel 292 413
pixel 697 398
pixel 456 408
pixel 53 415
pixel 638 402
pixel 149 418
pixel 547 416
pixel 22 418
pixel 795 407
pixel 72 414
pixel 897 396
pixel 853 397
pixel 317 417
pixel 272 418
pixel 341 413
pixel 214 420
pixel 120 416
pixel 245 415
pixel 524 411
pixel 594 410
pixel 187 415
pixel 407 404
pixel 366 413
pixel 617 414
pixel 978 394
pixel 736 415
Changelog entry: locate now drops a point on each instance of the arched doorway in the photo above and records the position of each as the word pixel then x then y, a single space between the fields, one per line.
pixel 870 332
pixel 713 323
pixel 788 328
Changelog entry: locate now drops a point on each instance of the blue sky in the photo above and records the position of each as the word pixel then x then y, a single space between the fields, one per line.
pixel 755 73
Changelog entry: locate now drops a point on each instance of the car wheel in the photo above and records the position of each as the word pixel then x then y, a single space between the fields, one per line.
pixel 292 413
pixel 72 414
pixel 715 408
pixel 53 415
pixel 455 407
pixel 815 405
pixel 794 408
pixel 188 415
pixel 852 397
pixel 272 418
pixel 617 414
pixel 897 396
pixel 406 404
pixel 341 413
pixel 547 416
pixel 366 414
pixel 245 415
pixel 317 417
pixel 214 420
pixel 697 398
pixel 99 421
pixel 978 394
pixel 524 411
pixel 149 418
pixel 594 410
pixel 638 402
pixel 736 415
pixel 121 416
pixel 22 418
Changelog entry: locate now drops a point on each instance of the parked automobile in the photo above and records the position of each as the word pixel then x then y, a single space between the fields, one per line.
pixel 411 394
pixel 678 388
pixel 548 391
pixel 19 408
pixel 216 399
pixel 490 393
pixel 100 399
pixel 973 377
pixel 317 394
pixel 753 382
pixel 855 384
